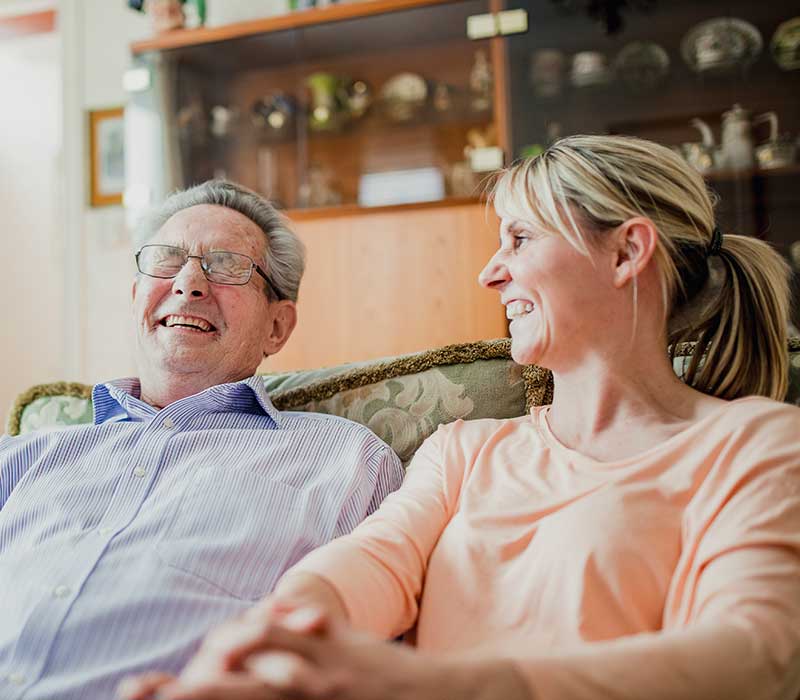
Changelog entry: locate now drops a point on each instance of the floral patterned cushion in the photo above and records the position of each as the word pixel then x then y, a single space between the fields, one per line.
pixel 404 399
pixel 401 399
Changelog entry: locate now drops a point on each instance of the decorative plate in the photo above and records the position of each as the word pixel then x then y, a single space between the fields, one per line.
pixel 720 44
pixel 642 64
pixel 785 44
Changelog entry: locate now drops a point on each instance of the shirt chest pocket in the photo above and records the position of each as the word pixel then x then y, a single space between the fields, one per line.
pixel 237 531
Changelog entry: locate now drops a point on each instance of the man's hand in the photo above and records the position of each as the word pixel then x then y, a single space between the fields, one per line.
pixel 222 650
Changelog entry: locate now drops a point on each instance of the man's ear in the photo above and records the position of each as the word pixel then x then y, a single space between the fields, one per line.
pixel 634 246
pixel 282 320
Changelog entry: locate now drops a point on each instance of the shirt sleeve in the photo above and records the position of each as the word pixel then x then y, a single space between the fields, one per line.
pixel 389 476
pixel 379 568
pixel 733 615
pixel 376 473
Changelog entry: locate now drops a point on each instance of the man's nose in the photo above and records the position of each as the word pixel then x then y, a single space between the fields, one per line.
pixel 495 274
pixel 191 280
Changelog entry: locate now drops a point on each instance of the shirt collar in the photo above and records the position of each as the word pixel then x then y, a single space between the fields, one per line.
pixel 120 400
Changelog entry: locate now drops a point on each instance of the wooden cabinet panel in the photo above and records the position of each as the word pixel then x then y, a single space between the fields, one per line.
pixel 393 282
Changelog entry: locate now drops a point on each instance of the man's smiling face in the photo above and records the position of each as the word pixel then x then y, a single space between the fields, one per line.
pixel 187 325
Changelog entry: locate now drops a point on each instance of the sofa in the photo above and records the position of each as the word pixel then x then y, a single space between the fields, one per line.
pixel 402 399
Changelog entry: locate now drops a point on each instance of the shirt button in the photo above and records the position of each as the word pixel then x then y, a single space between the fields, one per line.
pixel 16 678
pixel 168 423
pixel 139 472
pixel 61 591
pixel 104 531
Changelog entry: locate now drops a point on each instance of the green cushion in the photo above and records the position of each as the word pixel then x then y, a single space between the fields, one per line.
pixel 402 399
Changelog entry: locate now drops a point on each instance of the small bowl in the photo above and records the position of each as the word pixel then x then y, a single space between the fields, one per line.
pixel 775 154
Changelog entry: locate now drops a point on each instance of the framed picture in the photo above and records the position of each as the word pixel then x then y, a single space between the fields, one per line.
pixel 107 156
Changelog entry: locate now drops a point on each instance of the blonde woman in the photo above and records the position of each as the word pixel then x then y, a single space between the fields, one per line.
pixel 639 538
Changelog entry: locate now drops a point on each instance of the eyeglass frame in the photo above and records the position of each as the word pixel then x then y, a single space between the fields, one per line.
pixel 253 266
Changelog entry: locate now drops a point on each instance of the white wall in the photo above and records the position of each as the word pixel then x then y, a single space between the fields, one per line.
pixel 31 246
pixel 66 306
pixel 100 38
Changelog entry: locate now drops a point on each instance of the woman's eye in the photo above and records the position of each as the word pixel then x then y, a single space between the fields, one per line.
pixel 518 241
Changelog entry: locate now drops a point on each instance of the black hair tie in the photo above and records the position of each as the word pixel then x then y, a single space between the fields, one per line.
pixel 716 243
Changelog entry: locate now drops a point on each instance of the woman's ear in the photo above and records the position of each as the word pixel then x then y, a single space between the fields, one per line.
pixel 634 246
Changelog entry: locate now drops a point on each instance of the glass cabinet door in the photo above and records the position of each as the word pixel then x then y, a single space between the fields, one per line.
pixel 718 80
pixel 368 111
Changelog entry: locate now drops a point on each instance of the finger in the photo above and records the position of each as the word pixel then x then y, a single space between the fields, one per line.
pixel 224 645
pixel 288 674
pixel 231 686
pixel 279 638
pixel 270 608
pixel 301 623
pixel 293 615
pixel 306 621
pixel 143 686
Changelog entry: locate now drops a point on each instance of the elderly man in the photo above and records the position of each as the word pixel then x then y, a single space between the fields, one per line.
pixel 122 542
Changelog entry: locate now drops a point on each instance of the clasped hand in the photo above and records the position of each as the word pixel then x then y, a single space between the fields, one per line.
pixel 274 651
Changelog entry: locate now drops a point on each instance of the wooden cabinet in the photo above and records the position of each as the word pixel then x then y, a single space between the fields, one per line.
pixel 367 103
pixel 393 282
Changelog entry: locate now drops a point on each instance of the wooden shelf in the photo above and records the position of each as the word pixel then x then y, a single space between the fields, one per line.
pixel 725 175
pixel 356 210
pixel 302 18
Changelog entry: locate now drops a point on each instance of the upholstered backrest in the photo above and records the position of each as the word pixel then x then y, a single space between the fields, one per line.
pixel 402 399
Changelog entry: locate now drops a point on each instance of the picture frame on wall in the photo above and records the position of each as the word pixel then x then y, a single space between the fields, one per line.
pixel 106 156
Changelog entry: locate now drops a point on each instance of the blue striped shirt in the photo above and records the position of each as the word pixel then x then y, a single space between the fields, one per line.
pixel 123 542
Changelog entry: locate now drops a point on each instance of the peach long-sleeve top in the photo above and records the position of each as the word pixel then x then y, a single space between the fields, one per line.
pixel 671 574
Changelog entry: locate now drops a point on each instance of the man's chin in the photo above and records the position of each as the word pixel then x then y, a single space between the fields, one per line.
pixel 179 360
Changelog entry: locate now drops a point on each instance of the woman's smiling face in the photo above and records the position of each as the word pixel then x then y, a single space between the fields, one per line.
pixel 555 296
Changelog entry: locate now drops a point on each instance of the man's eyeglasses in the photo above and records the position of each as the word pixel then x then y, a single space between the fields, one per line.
pixel 219 266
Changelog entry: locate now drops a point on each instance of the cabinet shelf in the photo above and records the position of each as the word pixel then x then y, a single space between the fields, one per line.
pixel 373 123
pixel 356 210
pixel 727 175
pixel 181 38
pixel 287 42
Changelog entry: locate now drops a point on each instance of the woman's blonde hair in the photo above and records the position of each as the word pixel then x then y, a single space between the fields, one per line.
pixel 582 186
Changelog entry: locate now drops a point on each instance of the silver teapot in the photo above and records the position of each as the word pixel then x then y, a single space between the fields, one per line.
pixel 736 146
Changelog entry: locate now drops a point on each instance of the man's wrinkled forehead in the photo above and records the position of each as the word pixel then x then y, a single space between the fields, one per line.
pixel 207 227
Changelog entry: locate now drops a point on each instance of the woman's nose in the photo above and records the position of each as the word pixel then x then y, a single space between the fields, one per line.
pixel 495 274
